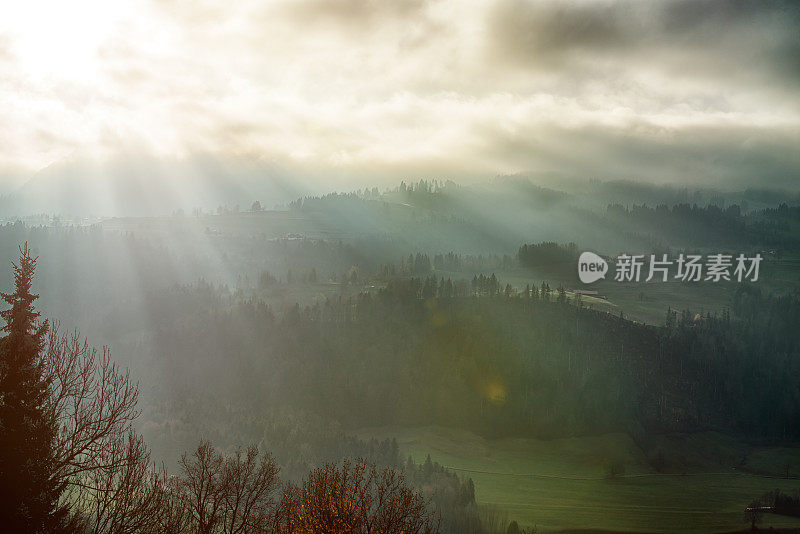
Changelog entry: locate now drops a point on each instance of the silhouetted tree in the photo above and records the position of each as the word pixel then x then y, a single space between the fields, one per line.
pixel 754 513
pixel 562 294
pixel 69 458
pixel 93 404
pixel 131 498
pixel 494 519
pixel 231 495
pixel 28 494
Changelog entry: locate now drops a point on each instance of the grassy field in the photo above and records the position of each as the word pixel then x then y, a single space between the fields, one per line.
pixel 648 301
pixel 522 477
pixel 642 301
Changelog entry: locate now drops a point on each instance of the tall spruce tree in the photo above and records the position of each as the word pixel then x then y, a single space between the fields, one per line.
pixel 28 497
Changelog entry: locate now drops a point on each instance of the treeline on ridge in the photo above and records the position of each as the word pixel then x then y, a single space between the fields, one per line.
pixel 521 363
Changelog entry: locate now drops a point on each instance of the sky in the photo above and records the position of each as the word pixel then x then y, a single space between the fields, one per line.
pixel 667 92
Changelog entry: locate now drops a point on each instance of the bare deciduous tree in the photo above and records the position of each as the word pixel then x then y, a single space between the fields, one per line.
pixel 125 498
pixel 233 494
pixel 93 402
pixel 754 513
pixel 250 482
pixel 354 498
pixel 101 465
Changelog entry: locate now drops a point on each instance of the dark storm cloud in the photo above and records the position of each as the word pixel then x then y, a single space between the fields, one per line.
pixel 727 156
pixel 545 33
pixel 756 35
pixel 736 39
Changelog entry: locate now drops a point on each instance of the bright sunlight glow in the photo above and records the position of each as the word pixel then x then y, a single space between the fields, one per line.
pixel 61 40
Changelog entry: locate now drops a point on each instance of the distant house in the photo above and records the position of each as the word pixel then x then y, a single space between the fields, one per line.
pixel 587 293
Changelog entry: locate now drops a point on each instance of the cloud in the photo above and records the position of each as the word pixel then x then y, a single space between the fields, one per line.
pixel 720 42
pixel 348 14
pixel 547 34
pixel 672 91
pixel 724 157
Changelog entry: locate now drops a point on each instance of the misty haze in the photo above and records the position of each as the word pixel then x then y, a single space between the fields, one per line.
pixel 416 266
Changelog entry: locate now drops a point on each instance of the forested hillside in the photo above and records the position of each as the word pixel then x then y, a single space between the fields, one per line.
pixel 301 329
pixel 498 364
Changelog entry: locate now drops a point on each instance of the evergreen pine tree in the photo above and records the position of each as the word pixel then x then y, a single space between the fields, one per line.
pixel 28 497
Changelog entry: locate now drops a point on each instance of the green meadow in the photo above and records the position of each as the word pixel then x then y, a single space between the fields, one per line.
pixel 564 483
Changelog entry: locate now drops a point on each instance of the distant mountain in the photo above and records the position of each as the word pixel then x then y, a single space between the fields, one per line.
pixel 149 186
